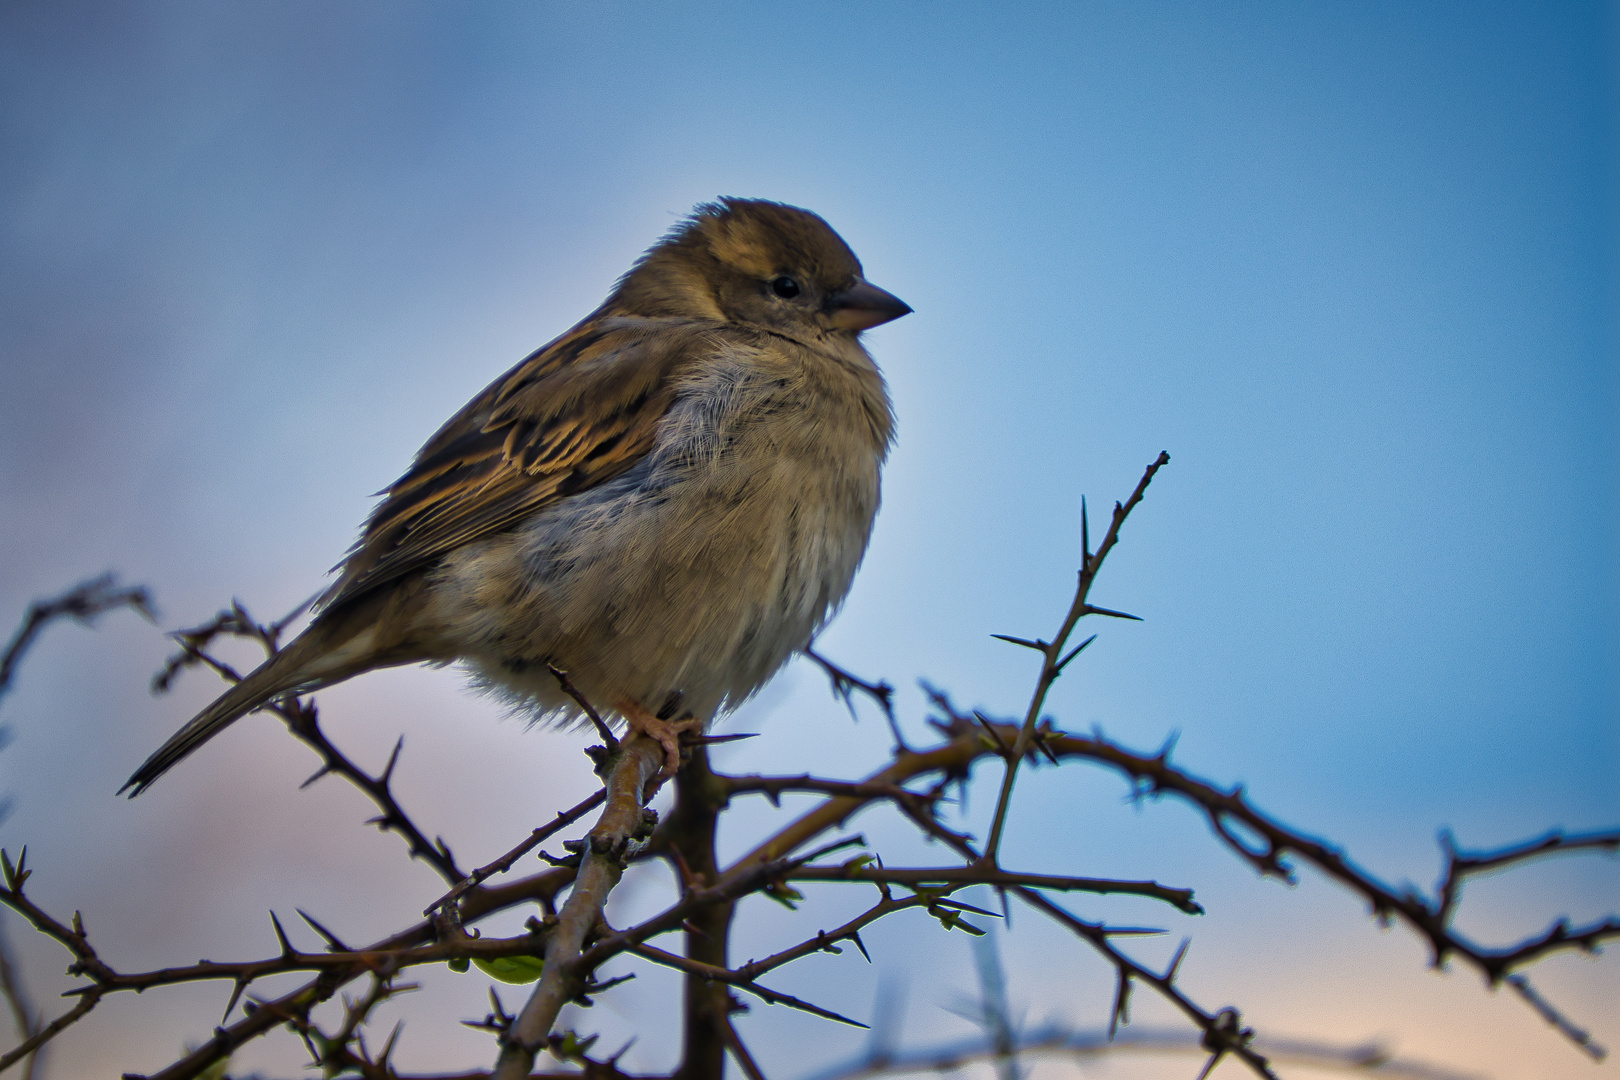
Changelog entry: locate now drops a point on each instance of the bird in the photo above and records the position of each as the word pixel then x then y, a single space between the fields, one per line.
pixel 664 504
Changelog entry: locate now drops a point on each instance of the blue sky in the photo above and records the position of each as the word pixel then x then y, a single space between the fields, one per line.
pixel 1353 266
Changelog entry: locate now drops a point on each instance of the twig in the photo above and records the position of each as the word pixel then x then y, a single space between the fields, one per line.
pixel 83 603
pixel 1223 1031
pixel 32 1044
pixel 731 886
pixel 1053 655
pixel 773 786
pixel 739 1052
pixel 985 875
pixel 302 719
pixel 827 941
pixel 1550 1013
pixel 844 683
pixel 1081 1047
pixel 573 692
pixel 1460 865
pixel 22 1010
pixel 1430 919
pixel 722 975
pixel 501 865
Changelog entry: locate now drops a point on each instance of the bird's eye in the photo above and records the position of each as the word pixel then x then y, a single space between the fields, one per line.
pixel 785 287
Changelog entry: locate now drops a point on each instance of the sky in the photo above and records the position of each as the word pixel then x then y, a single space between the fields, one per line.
pixel 1353 266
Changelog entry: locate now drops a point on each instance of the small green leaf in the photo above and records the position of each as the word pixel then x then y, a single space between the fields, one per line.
pixel 516 970
pixel 952 920
pixel 460 963
pixel 572 1047
pixel 784 894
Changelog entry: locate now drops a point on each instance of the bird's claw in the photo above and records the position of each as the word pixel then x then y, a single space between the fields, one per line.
pixel 666 733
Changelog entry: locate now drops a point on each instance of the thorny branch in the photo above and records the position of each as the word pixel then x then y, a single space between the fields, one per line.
pixel 501 865
pixel 576 940
pixel 1084 1047
pixel 623 821
pixel 83 603
pixel 23 1013
pixel 1223 1031
pixel 303 721
pixel 976 875
pixel 844 685
pixel 1055 654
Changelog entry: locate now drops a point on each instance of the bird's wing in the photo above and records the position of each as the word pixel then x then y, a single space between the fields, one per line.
pixel 577 413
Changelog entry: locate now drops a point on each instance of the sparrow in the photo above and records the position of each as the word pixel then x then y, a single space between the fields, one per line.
pixel 665 503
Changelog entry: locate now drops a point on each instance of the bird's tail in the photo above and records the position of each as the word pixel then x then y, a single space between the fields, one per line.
pixel 376 632
pixel 270 678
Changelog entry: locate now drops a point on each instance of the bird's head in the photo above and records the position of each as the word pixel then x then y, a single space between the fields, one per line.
pixel 760 263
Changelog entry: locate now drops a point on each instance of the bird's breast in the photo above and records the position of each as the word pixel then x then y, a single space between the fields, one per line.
pixel 704 567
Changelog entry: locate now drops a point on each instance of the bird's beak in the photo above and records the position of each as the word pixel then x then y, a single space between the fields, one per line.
pixel 864 305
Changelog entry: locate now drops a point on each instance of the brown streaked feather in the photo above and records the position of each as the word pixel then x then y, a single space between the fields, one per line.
pixel 575 414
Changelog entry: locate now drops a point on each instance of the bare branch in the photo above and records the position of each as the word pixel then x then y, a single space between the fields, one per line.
pixel 986 875
pixel 501 865
pixel 1081 1047
pixel 1549 1012
pixel 22 1009
pixel 718 974
pixel 84 603
pixel 844 684
pixel 638 761
pixel 1053 657
pixel 302 719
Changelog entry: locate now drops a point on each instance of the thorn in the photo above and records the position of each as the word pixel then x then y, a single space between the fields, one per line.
pixel 1175 962
pixel 1037 645
pixel 236 995
pixel 332 941
pixel 393 759
pixel 1092 609
pixel 1006 751
pixel 1121 1012
pixel 946 902
pixel 281 935
pixel 855 936
pixel 771 997
pixel 500 1014
pixel 1074 652
pixel 1085 532
pixel 316 775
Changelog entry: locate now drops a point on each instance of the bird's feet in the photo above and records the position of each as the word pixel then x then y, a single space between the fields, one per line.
pixel 667 733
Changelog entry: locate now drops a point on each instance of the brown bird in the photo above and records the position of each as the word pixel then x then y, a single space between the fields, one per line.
pixel 665 502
